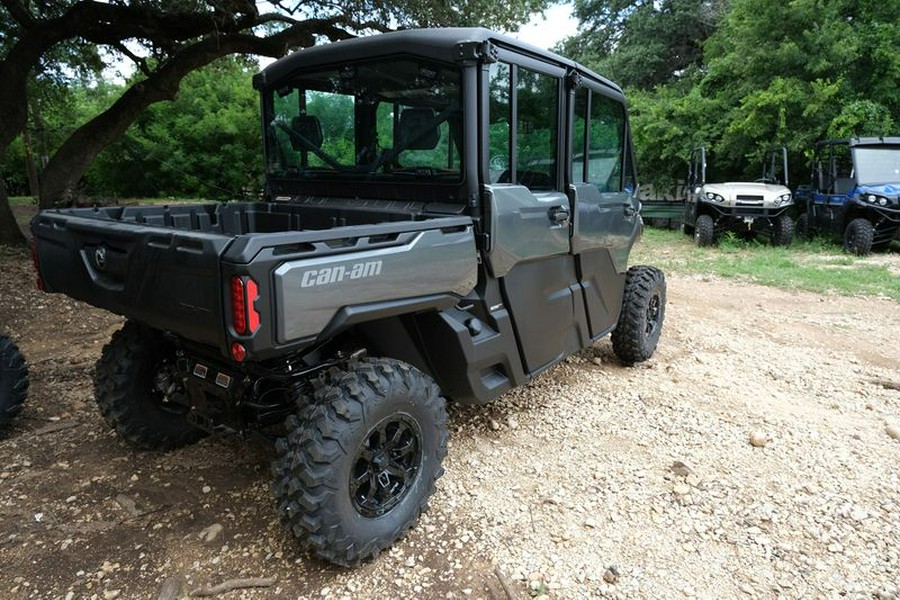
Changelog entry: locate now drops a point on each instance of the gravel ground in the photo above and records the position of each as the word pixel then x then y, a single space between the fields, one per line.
pixel 755 454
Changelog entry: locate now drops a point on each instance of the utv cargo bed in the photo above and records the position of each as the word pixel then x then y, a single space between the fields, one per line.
pixel 170 266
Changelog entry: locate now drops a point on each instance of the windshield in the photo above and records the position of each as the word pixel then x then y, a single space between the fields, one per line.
pixel 877 165
pixel 393 119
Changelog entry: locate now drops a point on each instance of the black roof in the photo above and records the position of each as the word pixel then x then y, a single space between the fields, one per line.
pixel 439 44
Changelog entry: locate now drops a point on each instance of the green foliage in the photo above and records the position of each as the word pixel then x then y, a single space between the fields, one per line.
pixel 205 143
pixel 12 166
pixel 861 117
pixel 767 73
pixel 642 44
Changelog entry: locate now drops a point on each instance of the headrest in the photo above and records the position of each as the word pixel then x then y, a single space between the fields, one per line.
pixel 309 127
pixel 417 130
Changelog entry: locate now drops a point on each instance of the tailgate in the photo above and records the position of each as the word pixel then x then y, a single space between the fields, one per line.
pixel 305 283
pixel 166 278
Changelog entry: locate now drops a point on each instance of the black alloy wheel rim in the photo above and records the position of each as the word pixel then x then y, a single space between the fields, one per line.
pixel 386 466
pixel 652 315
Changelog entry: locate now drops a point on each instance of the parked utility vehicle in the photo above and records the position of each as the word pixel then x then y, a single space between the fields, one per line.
pixel 760 207
pixel 854 193
pixel 448 213
pixel 13 380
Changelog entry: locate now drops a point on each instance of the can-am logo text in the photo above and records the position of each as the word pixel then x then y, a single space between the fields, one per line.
pixel 327 275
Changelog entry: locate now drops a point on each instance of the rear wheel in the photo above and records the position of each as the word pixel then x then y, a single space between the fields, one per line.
pixel 360 460
pixel 139 392
pixel 13 380
pixel 704 230
pixel 858 237
pixel 784 231
pixel 802 227
pixel 643 310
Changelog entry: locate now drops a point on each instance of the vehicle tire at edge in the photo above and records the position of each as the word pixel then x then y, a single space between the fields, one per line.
pixel 643 311
pixel 858 237
pixel 704 230
pixel 13 380
pixel 784 231
pixel 127 392
pixel 801 228
pixel 334 438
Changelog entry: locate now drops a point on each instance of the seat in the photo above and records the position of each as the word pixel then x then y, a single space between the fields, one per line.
pixel 308 128
pixel 842 185
pixel 418 130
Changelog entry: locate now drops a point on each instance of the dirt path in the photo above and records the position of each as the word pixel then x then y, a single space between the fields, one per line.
pixel 594 465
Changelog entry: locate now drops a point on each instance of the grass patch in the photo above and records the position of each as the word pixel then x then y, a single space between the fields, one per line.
pixel 816 266
pixel 22 201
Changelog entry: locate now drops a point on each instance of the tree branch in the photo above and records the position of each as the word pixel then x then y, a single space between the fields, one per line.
pixel 139 62
pixel 19 13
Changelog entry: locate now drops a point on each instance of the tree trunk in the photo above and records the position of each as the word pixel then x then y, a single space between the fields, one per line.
pixel 10 234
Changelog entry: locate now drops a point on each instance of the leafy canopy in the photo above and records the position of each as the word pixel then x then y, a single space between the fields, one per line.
pixel 746 75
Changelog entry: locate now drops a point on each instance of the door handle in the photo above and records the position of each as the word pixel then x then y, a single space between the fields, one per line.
pixel 559 214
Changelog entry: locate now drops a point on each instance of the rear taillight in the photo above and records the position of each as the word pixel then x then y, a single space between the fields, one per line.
pixel 37 265
pixel 244 316
pixel 238 305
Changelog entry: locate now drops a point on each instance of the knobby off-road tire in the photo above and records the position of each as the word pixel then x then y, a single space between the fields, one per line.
pixel 359 462
pixel 858 237
pixel 643 311
pixel 704 230
pixel 801 229
pixel 783 234
pixel 13 380
pixel 136 386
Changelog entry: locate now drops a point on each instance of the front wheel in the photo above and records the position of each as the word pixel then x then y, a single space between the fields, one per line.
pixel 858 237
pixel 784 231
pixel 643 310
pixel 360 459
pixel 13 380
pixel 138 390
pixel 704 230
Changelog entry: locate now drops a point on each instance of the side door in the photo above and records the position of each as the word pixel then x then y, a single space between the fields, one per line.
pixel 528 211
pixel 834 179
pixel 603 190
